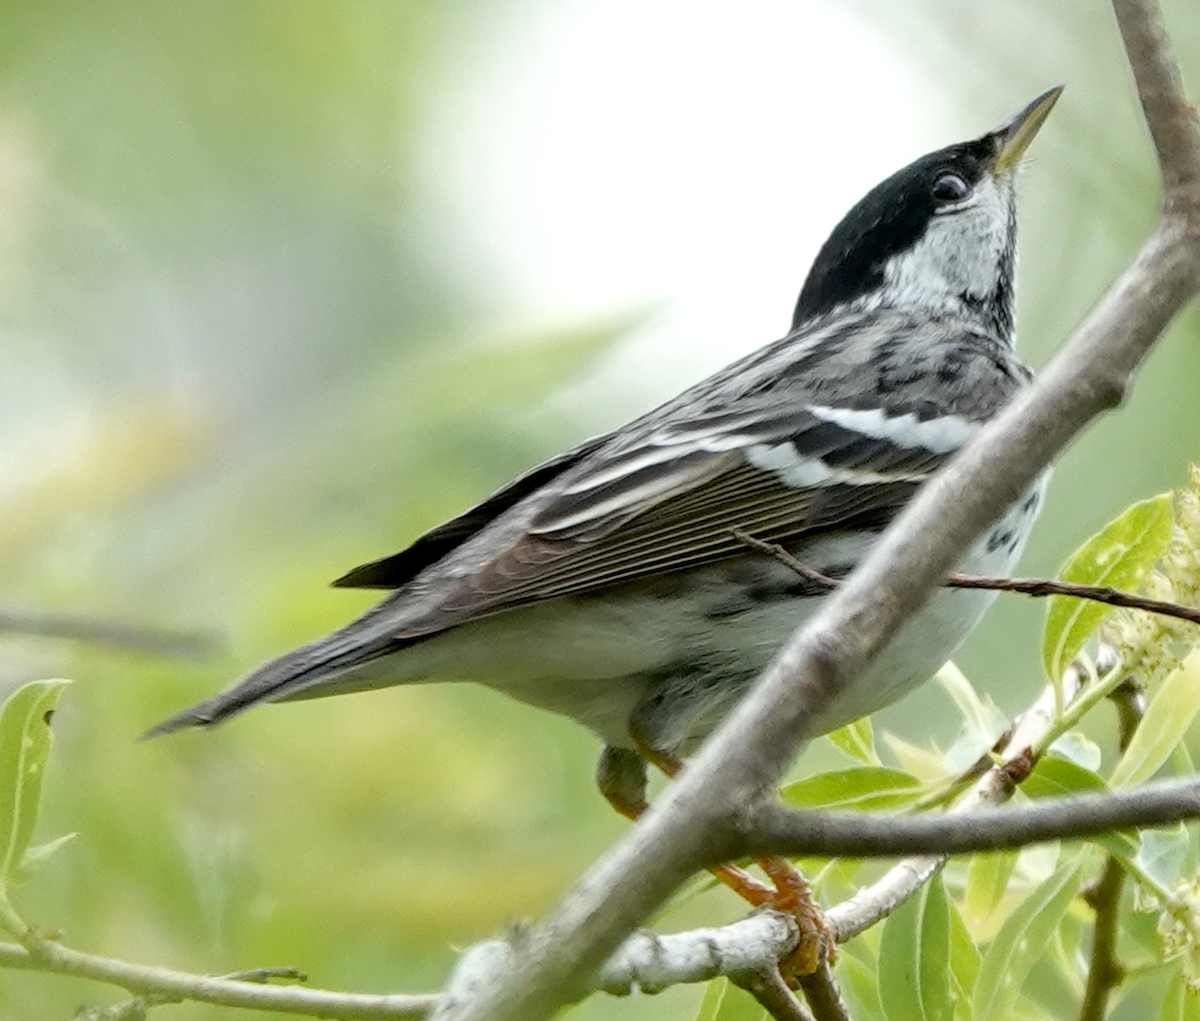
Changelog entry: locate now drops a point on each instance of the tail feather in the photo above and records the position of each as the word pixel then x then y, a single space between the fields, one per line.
pixel 289 676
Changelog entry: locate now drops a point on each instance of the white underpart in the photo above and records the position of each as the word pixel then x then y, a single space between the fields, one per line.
pixel 585 658
pixel 940 268
pixel 941 435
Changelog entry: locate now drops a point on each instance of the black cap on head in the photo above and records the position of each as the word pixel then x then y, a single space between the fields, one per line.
pixel 888 220
pixel 893 216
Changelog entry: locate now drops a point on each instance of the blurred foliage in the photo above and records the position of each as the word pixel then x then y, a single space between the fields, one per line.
pixel 238 359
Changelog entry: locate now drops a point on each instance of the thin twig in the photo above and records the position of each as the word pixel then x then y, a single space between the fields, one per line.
pixel 775 997
pixel 1105 972
pixel 1039 587
pixel 823 995
pixel 649 962
pixel 135 637
pixel 778 830
pixel 168 983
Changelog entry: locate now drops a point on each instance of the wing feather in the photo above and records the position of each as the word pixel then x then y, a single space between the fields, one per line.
pixel 587 539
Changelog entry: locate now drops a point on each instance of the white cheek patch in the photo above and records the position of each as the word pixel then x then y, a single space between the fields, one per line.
pixel 960 253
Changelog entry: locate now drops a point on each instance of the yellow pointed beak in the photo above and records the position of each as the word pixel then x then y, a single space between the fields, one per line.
pixel 1015 136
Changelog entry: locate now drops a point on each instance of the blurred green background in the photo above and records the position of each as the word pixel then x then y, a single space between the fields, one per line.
pixel 284 284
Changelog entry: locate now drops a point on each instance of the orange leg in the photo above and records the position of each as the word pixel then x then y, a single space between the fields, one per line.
pixel 790 894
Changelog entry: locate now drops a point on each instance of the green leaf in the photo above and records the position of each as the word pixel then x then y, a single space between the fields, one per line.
pixel 857 740
pixel 861 788
pixel 1179 1004
pixel 1168 717
pixel 723 1001
pixel 987 881
pixel 1163 854
pixel 1021 943
pixel 714 994
pixel 859 981
pixel 24 748
pixel 981 717
pixel 1056 777
pixel 914 958
pixel 35 856
pixel 1080 749
pixel 964 963
pixel 1121 554
pixel 924 763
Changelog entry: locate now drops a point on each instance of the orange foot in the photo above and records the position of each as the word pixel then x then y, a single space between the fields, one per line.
pixel 791 893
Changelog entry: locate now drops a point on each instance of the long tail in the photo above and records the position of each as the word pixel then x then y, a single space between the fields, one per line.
pixel 308 671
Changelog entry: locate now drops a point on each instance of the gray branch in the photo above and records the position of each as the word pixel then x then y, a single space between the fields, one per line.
pixel 701 817
pixel 646 962
pixel 116 634
pixel 858 835
pixel 975 824
pixel 167 985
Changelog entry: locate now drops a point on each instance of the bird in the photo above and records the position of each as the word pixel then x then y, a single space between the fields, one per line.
pixel 613 583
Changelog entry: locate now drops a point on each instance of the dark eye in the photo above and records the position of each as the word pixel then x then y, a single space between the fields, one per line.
pixel 950 188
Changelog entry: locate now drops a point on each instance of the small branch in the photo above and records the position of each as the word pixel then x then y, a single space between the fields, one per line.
pixel 823 995
pixel 135 637
pixel 744 951
pixel 1105 971
pixel 777 830
pixel 1169 116
pixel 647 962
pixel 879 900
pixel 773 995
pixel 136 1008
pixel 170 985
pixel 1038 587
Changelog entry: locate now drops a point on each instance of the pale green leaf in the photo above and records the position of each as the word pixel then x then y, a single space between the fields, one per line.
pixel 1179 1004
pixel 1168 717
pixel 34 856
pixel 987 881
pixel 980 715
pixel 860 983
pixel 1163 854
pixel 1078 748
pixel 1056 777
pixel 1021 943
pixel 926 764
pixel 964 964
pixel 714 995
pixel 723 1001
pixel 861 788
pixel 914 958
pixel 1120 555
pixel 24 748
pixel 857 740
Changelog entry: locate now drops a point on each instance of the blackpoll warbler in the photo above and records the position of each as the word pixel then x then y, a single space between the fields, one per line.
pixel 607 584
